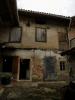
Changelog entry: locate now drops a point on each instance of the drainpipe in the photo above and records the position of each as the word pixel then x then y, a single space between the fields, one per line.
pixel 69 27
pixel 70 67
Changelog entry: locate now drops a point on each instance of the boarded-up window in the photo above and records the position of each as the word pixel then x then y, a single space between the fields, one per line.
pixel 40 35
pixel 62 65
pixel 15 35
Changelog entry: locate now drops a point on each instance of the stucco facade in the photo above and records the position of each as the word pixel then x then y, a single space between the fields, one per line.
pixel 42 58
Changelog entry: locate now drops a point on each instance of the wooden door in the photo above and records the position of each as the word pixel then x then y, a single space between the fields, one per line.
pixel 49 63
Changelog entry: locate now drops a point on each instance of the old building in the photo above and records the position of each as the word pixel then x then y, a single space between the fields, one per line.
pixel 32 50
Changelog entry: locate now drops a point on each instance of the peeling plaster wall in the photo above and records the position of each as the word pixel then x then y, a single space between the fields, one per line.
pixel 51 48
pixel 37 67
pixel 71 33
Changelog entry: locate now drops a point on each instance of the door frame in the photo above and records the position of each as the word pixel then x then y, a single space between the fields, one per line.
pixel 30 67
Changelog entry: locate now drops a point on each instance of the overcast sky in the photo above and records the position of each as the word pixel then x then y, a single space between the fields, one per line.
pixel 60 7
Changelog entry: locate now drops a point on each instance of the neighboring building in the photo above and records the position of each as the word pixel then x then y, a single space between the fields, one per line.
pixel 32 51
pixel 8 19
pixel 8 13
pixel 70 53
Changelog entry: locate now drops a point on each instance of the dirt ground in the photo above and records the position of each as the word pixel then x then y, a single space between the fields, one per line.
pixel 30 93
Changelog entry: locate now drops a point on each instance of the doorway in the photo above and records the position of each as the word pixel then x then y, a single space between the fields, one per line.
pixel 49 63
pixel 7 64
pixel 24 73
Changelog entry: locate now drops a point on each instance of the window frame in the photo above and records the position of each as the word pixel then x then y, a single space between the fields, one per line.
pixel 36 39
pixel 14 40
pixel 62 36
pixel 63 40
pixel 62 65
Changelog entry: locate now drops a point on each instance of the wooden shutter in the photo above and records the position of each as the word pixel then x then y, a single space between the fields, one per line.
pixel 15 35
pixel 41 34
pixel 15 66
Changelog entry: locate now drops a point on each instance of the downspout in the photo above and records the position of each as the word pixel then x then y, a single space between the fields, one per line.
pixel 70 67
pixel 69 27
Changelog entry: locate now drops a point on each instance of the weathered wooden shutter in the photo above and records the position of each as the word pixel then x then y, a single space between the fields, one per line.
pixel 41 34
pixel 15 67
pixel 15 35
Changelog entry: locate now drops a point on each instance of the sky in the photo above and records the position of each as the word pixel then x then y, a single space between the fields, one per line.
pixel 59 7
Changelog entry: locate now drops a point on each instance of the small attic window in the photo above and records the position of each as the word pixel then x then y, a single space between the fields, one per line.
pixel 40 21
pixel 28 23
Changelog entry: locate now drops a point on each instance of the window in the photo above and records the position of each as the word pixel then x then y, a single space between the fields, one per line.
pixel 40 21
pixel 15 35
pixel 62 36
pixel 62 65
pixel 63 40
pixel 40 35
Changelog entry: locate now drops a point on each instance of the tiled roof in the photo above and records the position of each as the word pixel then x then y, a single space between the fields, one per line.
pixel 43 14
